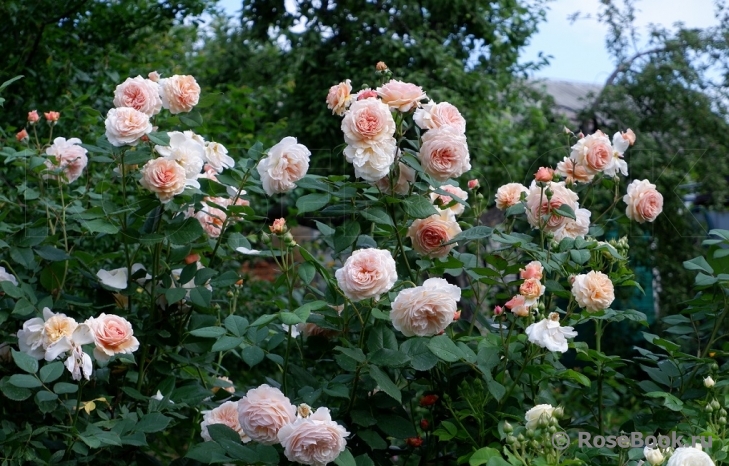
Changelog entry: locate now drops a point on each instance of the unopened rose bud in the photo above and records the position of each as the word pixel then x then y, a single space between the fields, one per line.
pixel 508 428
pixel 414 442
pixel 266 238
pixel 457 315
pixel 510 439
pixel 722 412
pixel 428 400
pixel 541 307
pixel 552 429
pixel 424 424
pixel 153 76
pixel 566 130
pixel 498 310
pixel 33 117
pixel 549 193
pixel 544 174
pixel 520 437
pixel 558 412
pixel 534 444
pixel 289 240
pixel 529 434
pixel 140 290
pixel 278 227
pixel 192 258
pixel 52 117
pixel 722 420
pixel 239 283
pixel 715 404
pixel 581 135
pixel 708 408
pixel 367 94
pixel 473 184
pixel 229 294
pixel 22 135
pixel 381 66
pixel 708 382
pixel 144 138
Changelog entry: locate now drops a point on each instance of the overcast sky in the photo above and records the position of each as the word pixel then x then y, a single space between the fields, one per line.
pixel 578 49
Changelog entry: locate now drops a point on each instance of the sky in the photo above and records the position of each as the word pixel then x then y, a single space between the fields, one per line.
pixel 578 49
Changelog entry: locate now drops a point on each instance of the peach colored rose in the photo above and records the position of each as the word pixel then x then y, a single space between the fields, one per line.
pixel 574 228
pixel 629 136
pixel 56 327
pixel 154 76
pixel 112 335
pixel 179 93
pixel 381 66
pixel 68 157
pixel 425 310
pixel 405 178
pixel 22 135
pixel 429 234
pixel 432 116
pixel 544 174
pixel 518 306
pixel 263 411
pixel 367 273
pixel 444 153
pixel 278 227
pixel 401 96
pixel 211 219
pixel 573 173
pixel 286 163
pixel 368 121
pixel 339 97
pixel 372 162
pixel 140 94
pixel 164 177
pixel 539 205
pixel 509 195
pixel 644 202
pixel 226 414
pixel 531 289
pixel 594 291
pixel 314 440
pixel 33 117
pixel 533 269
pixel 594 152
pixel 52 117
pixel 126 126
pixel 441 200
pixel 366 94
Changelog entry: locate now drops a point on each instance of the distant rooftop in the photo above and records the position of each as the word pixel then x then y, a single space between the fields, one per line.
pixel 570 96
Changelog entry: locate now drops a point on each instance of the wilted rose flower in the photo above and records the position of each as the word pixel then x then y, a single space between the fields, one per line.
pixel 518 306
pixel 367 122
pixel 263 411
pixel 444 153
pixel 31 336
pixel 126 126
pixel 286 163
pixel 304 410
pixel 547 333
pixel 538 412
pixel 55 328
pixel 574 228
pixel 372 162
pixel 22 135
pixel 112 335
pixel 315 440
pixel 33 117
pixel 689 456
pixel 187 149
pixel 216 155
pixel 432 116
pixel 645 203
pixel 226 414
pixel 617 164
pixel 401 96
pixel 429 234
pixel 68 157
pixel 339 97
pixel 441 200
pixel 594 291
pixel 405 178
pixel 539 205
pixel 179 93
pixel 52 116
pixel 533 269
pixel 140 94
pixel 116 278
pixel 78 362
pixel 509 195
pixel 544 174
pixel 367 273
pixel 425 310
pixel 166 178
pixel 573 173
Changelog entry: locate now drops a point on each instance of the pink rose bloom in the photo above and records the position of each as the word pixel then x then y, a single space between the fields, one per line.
pixel 164 177
pixel 263 411
pixel 22 135
pixel 367 122
pixel 473 184
pixel 429 234
pixel 286 163
pixel 125 126
pixel 401 96
pixel 278 227
pixel 509 195
pixel 573 173
pixel 644 202
pixel 226 414
pixel 33 117
pixel 441 200
pixel 432 116
pixel 339 97
pixel 574 228
pixel 629 136
pixel 544 174
pixel 518 306
pixel 594 152
pixel 211 219
pixel 538 204
pixel 533 269
pixel 179 93
pixel 154 76
pixel 314 440
pixel 367 273
pixel 531 289
pixel 594 291
pixel 52 116
pixel 372 162
pixel 140 94
pixel 444 153
pixel 366 94
pixel 68 157
pixel 405 178
pixel 425 310
pixel 112 335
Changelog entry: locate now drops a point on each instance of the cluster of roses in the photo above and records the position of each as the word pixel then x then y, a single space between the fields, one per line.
pixel 56 334
pixel 266 415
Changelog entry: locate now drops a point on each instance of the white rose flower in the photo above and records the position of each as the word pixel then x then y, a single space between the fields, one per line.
pixel 538 412
pixel 372 162
pixel 286 163
pixel 116 278
pixel 654 456
pixel 687 456
pixel 7 277
pixel 187 150
pixel 315 440
pixel 217 156
pixel 547 333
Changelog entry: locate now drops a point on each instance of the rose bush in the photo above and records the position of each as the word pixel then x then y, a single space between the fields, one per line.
pixel 134 333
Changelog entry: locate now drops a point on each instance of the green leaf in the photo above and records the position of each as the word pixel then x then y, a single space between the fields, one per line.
pixel 312 202
pixel 23 307
pixel 51 372
pixel 378 216
pixel 580 256
pixel 201 296
pixel 15 393
pixel 354 353
pixel 62 388
pixel 345 458
pixel 577 377
pixel 372 438
pixel 101 226
pixel 421 358
pixel 191 119
pixel 289 318
pixel 174 295
pixel 443 347
pixel 52 254
pixel 219 432
pixel 25 381
pixel 396 426
pixel 252 355
pixel 44 396
pixel 566 211
pixel 389 358
pixel 385 383
pixel 152 422
pixel 208 453
pixel 208 332
pixel 161 139
pixel 23 256
pixel 381 337
pixel 473 233
pixel 419 207
pixel 669 401
pixel 698 263
pixel 345 235
pixel 236 325
pixel 307 272
pixel 25 362
pixel 11 290
pixel 184 233
pixel 10 81
pixel 227 343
